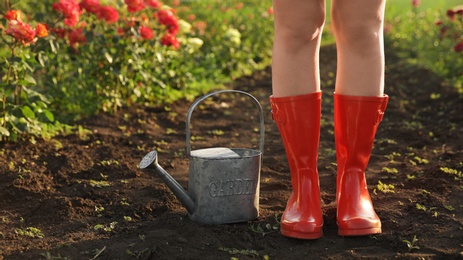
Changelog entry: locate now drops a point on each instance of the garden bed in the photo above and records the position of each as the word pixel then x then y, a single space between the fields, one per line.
pixel 84 197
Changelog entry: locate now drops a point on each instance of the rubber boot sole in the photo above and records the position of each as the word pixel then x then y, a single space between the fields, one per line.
pixel 301 235
pixel 359 232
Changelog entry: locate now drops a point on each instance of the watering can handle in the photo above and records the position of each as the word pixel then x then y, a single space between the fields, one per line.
pixel 191 109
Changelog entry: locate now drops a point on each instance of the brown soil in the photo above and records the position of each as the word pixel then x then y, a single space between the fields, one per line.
pixel 73 187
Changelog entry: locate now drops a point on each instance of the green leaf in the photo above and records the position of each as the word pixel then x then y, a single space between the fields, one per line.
pixel 108 57
pixel 40 59
pixel 27 112
pixel 4 131
pixel 28 81
pixel 49 115
pixel 52 46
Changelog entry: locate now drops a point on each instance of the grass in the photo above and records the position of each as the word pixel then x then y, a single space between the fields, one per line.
pixel 394 9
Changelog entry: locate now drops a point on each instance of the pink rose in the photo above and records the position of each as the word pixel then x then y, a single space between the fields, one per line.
pixel 70 10
pixel 77 37
pixel 145 32
pixel 458 47
pixel 22 32
pixel 134 5
pixel 91 6
pixel 152 3
pixel 108 13
pixel 170 40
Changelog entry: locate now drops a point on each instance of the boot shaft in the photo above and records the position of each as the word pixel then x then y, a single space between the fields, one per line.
pixel 298 121
pixel 356 120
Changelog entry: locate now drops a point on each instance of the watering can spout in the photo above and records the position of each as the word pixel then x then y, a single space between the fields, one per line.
pixel 151 161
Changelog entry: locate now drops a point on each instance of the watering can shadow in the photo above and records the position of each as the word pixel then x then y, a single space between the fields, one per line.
pixel 224 183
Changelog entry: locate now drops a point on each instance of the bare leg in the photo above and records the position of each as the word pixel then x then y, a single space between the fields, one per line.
pixel 358 28
pixel 359 104
pixel 296 109
pixel 298 30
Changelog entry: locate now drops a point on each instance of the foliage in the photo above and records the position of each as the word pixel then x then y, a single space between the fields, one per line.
pixel 75 58
pixel 24 109
pixel 102 55
pixel 431 38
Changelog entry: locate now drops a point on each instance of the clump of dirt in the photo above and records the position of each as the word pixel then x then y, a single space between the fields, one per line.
pixel 84 197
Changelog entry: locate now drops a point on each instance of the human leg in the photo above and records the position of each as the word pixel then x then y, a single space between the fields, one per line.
pixel 297 34
pixel 358 29
pixel 296 109
pixel 359 105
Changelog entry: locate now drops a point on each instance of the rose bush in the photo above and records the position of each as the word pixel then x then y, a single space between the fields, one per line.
pixel 101 55
pixel 23 108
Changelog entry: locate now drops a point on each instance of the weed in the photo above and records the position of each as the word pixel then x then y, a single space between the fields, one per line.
pixel 420 207
pixel 425 192
pixel 99 184
pixel 108 228
pixel 109 162
pixel 98 252
pixel 421 160
pixel 83 133
pixel 234 251
pixel 385 188
pixel 30 232
pixel 124 202
pixel 268 228
pixel 411 244
pixel 170 131
pixel 458 174
pixel 49 256
pixel 216 132
pixel 4 220
pixel 390 170
pixel 99 209
pixel 387 141
pixel 137 254
pixel 392 156
pixel 329 152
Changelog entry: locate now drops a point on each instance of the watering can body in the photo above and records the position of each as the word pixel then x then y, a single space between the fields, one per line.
pixel 224 183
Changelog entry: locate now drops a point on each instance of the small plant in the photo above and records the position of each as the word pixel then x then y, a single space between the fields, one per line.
pixel 105 228
pixel 30 232
pixel 420 207
pixel 458 174
pixel 49 256
pixel 99 184
pixel 385 188
pixel 264 230
pixel 392 156
pixel 420 160
pixel 411 244
pixel 390 170
pixel 234 251
pixel 109 162
pixel 267 228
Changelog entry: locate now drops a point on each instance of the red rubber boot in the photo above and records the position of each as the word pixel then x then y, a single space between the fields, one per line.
pixel 298 120
pixel 355 122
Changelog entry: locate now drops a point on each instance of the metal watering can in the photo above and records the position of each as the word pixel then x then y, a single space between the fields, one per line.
pixel 223 182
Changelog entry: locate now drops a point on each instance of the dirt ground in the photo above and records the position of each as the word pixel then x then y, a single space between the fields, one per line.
pixel 84 196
